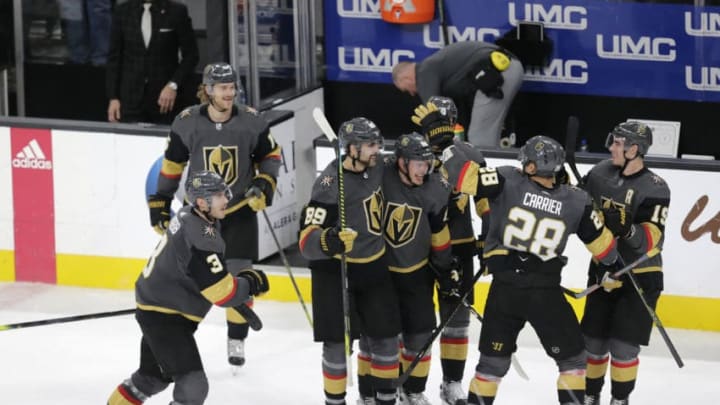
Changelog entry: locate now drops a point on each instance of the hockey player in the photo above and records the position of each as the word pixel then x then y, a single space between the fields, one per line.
pixel 418 246
pixel 234 142
pixel 374 309
pixel 447 108
pixel 532 220
pixel 439 120
pixel 186 275
pixel 635 202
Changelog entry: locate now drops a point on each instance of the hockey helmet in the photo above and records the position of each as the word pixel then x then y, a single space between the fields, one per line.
pixel 547 154
pixel 219 73
pixel 446 106
pixel 358 131
pixel 634 133
pixel 413 146
pixel 204 184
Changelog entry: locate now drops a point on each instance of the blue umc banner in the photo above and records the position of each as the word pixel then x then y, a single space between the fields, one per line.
pixel 602 48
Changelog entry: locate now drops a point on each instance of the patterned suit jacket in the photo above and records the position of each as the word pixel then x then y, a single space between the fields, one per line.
pixel 133 69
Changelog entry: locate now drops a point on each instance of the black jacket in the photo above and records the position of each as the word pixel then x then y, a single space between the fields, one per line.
pixel 131 66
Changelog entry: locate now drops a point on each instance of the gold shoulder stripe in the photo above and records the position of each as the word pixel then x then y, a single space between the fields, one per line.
pixel 304 234
pixel 601 244
pixel 440 240
pixel 172 169
pixel 482 206
pixel 221 291
pixel 652 233
pixel 468 179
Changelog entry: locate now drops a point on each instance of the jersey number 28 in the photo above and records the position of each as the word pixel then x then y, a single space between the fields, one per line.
pixel 528 234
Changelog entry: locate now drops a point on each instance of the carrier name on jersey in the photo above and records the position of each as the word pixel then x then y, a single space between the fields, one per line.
pixel 542 203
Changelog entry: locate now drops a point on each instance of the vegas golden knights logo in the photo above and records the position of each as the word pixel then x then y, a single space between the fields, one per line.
pixel 222 160
pixel 401 223
pixel 374 211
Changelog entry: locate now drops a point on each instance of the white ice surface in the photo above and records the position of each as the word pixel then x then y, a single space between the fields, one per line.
pixel 82 362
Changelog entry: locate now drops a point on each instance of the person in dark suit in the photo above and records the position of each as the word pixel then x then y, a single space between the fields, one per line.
pixel 144 71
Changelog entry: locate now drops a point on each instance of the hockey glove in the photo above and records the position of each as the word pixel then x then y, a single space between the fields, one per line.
pixel 259 194
pixel 488 79
pixel 618 221
pixel 159 212
pixel 333 242
pixel 257 281
pixel 449 279
pixel 609 283
pixel 435 126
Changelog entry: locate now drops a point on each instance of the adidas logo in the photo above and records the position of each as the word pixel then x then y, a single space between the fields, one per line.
pixel 31 157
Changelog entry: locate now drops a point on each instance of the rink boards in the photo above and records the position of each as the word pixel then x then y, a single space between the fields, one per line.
pixel 73 213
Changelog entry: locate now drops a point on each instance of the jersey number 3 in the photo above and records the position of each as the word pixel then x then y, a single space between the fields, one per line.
pixel 156 252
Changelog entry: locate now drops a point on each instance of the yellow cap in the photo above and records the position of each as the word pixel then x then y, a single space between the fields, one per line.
pixel 499 60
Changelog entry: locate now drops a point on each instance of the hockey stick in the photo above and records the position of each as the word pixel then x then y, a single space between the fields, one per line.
pixel 287 267
pixel 436 332
pixel 67 319
pixel 250 316
pixel 324 125
pixel 656 319
pixel 513 359
pixel 573 127
pixel 253 320
pixel 443 22
pixel 516 365
pixel 616 275
pixel 286 263
pixel 344 273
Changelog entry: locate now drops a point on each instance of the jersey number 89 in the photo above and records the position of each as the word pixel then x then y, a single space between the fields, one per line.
pixel 315 216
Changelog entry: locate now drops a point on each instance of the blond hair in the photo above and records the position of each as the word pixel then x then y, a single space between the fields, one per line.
pixel 202 95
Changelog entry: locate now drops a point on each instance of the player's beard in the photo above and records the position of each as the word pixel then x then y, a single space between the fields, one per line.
pixel 370 161
pixel 221 105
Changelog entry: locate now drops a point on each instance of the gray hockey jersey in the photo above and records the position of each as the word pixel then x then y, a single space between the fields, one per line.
pixel 363 203
pixel 238 150
pixel 527 217
pixel 186 273
pixel 416 221
pixel 646 196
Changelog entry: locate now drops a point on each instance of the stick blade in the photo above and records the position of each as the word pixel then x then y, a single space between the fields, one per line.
pixel 322 122
pixel 250 316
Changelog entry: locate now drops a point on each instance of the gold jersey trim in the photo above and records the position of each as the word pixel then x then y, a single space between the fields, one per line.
pixel 601 243
pixel 469 239
pixel 363 259
pixel 496 252
pixel 409 269
pixel 169 311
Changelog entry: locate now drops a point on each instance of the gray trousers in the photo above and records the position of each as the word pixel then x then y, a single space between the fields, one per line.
pixel 488 114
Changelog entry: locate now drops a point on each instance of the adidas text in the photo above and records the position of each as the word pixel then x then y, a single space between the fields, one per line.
pixel 32 164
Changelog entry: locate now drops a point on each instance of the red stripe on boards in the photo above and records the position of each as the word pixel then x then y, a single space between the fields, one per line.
pixel 33 204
